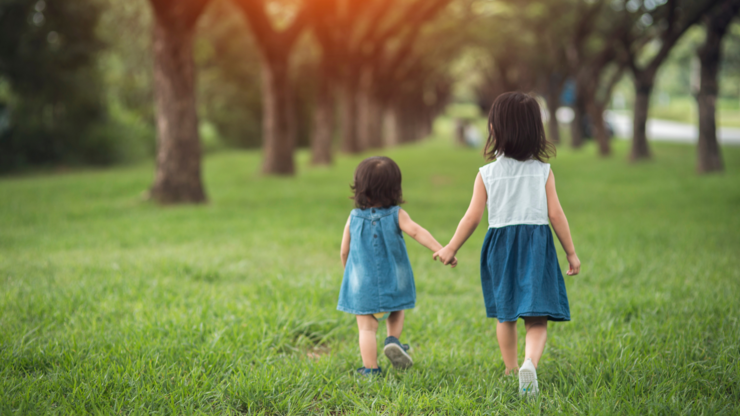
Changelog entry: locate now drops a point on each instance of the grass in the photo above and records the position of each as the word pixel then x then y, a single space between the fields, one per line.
pixel 114 305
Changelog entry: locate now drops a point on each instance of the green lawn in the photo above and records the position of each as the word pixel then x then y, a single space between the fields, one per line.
pixel 114 305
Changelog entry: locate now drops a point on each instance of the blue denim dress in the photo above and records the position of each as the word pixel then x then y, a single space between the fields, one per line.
pixel 378 276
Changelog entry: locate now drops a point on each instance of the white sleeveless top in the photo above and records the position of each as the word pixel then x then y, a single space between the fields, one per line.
pixel 516 192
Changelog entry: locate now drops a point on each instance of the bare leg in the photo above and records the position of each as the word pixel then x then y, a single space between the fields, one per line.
pixel 394 324
pixel 368 326
pixel 506 334
pixel 536 338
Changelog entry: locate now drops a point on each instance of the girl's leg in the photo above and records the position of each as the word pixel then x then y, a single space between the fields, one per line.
pixel 506 334
pixel 536 338
pixel 394 324
pixel 368 326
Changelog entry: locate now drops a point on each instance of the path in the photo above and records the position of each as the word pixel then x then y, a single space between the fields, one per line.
pixel 669 131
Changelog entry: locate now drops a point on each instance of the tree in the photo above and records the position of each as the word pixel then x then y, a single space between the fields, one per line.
pixel 359 40
pixel 336 25
pixel 178 172
pixel 597 95
pixel 665 24
pixel 716 22
pixel 228 66
pixel 395 67
pixel 324 16
pixel 53 100
pixel 580 58
pixel 278 112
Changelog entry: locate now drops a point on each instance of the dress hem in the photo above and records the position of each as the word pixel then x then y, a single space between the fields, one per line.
pixel 549 316
pixel 373 311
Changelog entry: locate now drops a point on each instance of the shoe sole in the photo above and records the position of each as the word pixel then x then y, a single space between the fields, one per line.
pixel 528 383
pixel 399 358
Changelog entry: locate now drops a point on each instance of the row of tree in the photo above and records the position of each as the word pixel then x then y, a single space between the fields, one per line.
pixel 594 43
pixel 344 74
pixel 374 59
pixel 371 61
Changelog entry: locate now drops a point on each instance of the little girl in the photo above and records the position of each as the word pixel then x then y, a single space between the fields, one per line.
pixel 378 280
pixel 520 273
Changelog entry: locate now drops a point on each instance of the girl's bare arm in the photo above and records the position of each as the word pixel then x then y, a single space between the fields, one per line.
pixel 468 223
pixel 560 225
pixel 418 233
pixel 344 250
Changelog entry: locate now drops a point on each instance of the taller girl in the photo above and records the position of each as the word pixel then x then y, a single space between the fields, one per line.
pixel 519 267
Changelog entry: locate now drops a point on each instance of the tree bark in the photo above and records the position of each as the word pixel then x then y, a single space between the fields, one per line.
pixel 178 172
pixel 350 142
pixel 596 114
pixel 708 150
pixel 278 117
pixel 369 120
pixel 576 125
pixel 643 89
pixel 709 156
pixel 392 134
pixel 323 128
pixel 552 99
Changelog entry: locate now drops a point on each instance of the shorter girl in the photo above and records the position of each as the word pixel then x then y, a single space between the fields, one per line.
pixel 520 273
pixel 377 273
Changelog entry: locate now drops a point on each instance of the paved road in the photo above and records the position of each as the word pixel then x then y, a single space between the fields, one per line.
pixel 669 131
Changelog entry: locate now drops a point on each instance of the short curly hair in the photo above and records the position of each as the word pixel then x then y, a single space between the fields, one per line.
pixel 377 183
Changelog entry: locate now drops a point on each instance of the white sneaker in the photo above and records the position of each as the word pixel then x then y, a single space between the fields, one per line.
pixel 528 379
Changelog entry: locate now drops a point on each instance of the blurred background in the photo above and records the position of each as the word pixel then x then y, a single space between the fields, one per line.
pixel 113 303
pixel 105 82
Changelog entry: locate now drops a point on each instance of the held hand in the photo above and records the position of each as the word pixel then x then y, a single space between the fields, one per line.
pixel 446 256
pixel 574 264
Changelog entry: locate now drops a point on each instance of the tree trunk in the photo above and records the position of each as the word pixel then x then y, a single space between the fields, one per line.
pixel 552 99
pixel 392 132
pixel 427 127
pixel 596 114
pixel 323 128
pixel 350 143
pixel 369 114
pixel 369 121
pixel 576 125
pixel 375 125
pixel 178 174
pixel 708 150
pixel 643 88
pixel 709 155
pixel 278 118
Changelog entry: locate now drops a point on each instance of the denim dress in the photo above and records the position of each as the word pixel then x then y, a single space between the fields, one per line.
pixel 378 276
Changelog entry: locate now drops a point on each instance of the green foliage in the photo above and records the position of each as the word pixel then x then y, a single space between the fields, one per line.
pixel 228 68
pixel 47 58
pixel 113 305
pixel 229 76
pixel 126 63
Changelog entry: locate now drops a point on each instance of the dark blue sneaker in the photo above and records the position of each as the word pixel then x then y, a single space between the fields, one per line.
pixel 397 353
pixel 370 371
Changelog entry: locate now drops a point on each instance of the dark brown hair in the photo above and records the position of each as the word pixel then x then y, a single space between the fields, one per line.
pixel 377 183
pixel 515 129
